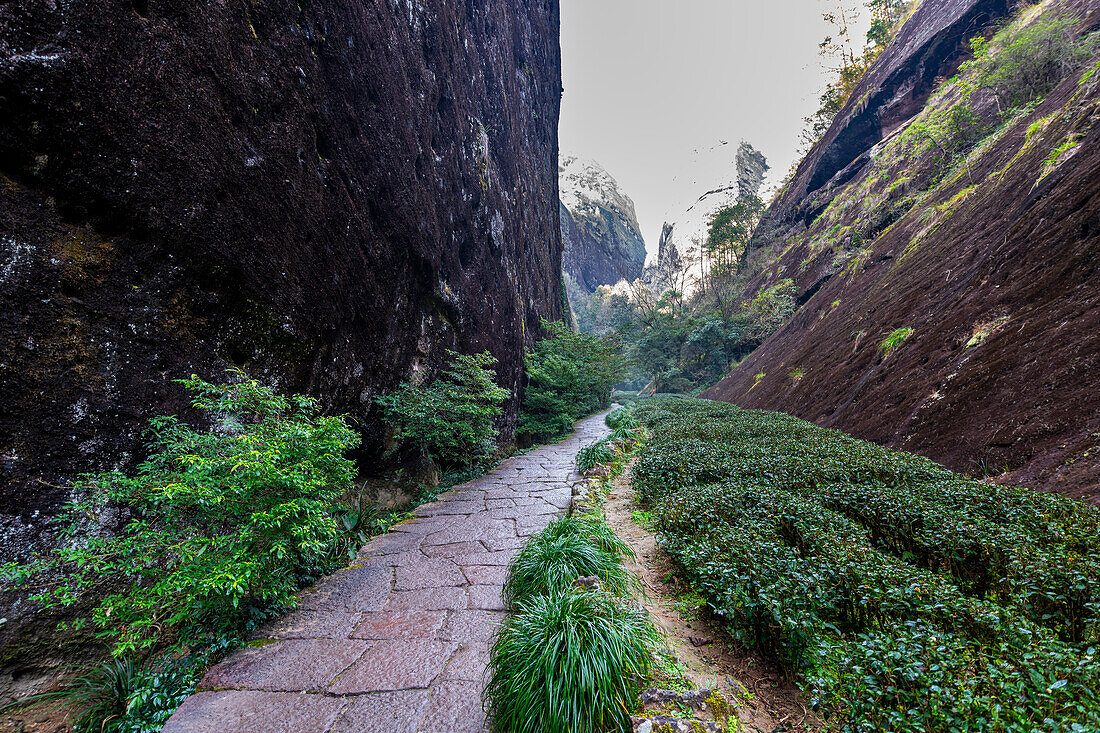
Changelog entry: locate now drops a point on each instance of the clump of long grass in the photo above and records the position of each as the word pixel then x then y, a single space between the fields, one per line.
pixel 102 693
pixel 591 456
pixel 568 549
pixel 568 662
pixel 591 527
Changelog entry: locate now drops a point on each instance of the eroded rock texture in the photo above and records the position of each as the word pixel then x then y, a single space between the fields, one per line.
pixel 599 228
pixel 956 317
pixel 327 194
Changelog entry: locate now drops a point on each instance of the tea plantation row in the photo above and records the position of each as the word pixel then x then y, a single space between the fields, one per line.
pixel 904 596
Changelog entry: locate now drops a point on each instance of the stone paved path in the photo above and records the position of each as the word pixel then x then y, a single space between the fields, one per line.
pixel 398 641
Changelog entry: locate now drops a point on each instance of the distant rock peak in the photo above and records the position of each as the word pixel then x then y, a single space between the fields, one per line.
pixel 599 226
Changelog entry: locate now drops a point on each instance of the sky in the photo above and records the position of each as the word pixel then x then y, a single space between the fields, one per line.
pixel 660 92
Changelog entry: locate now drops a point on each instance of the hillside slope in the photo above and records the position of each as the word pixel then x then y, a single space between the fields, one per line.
pixel 953 313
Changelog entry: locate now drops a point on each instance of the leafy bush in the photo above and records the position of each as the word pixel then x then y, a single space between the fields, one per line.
pixel 569 662
pixel 913 597
pixel 568 549
pixel 450 419
pixel 1024 63
pixel 220 526
pixel 621 418
pixel 771 307
pixel 570 375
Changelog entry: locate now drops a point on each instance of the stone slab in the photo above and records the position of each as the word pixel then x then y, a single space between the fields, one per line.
pixel 469 664
pixel 455 707
pixel 249 712
pixel 395 665
pixel 472 625
pixel 428 599
pixel 400 625
pixel 295 665
pixel 351 589
pixel 431 573
pixel 487 597
pixel 486 574
pixel 310 624
pixel 383 712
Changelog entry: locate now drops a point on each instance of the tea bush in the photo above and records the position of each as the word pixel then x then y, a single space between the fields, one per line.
pixel 906 595
pixel 221 526
pixel 451 418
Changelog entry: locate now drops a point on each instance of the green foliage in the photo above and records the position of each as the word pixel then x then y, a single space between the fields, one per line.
pixel 221 526
pixel 885 18
pixel 569 548
pixel 570 375
pixel 123 696
pixel 728 232
pixel 1023 64
pixel 569 662
pixel 894 340
pixel 771 307
pixel 910 597
pixel 591 456
pixel 450 419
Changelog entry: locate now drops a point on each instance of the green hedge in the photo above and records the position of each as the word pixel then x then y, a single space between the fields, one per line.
pixel 906 596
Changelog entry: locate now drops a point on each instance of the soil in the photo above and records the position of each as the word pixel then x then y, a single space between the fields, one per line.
pixel 43 718
pixel 766 702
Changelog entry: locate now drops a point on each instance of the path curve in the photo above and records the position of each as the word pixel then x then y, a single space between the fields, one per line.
pixel 398 641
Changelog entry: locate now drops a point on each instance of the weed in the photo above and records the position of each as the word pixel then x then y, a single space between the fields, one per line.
pixel 894 340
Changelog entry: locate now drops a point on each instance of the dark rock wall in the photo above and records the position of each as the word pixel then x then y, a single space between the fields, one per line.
pixel 327 194
pixel 996 271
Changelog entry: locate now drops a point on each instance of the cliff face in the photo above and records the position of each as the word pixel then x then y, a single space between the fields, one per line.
pixel 953 314
pixel 329 195
pixel 599 228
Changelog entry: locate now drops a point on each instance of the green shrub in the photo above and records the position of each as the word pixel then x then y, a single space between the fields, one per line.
pixel 569 662
pixel 621 418
pixel 221 528
pixel 123 696
pixel 568 549
pixel 570 375
pixel 1023 64
pixel 913 598
pixel 450 419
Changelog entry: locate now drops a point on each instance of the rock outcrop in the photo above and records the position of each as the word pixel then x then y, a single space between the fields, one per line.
pixel 599 228
pixel 954 313
pixel 328 195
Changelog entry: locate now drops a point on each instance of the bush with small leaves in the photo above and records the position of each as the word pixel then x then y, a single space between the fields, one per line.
pixel 908 596
pixel 224 525
pixel 451 419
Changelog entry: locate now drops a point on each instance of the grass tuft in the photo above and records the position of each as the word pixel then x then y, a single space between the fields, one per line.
pixel 569 548
pixel 569 662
